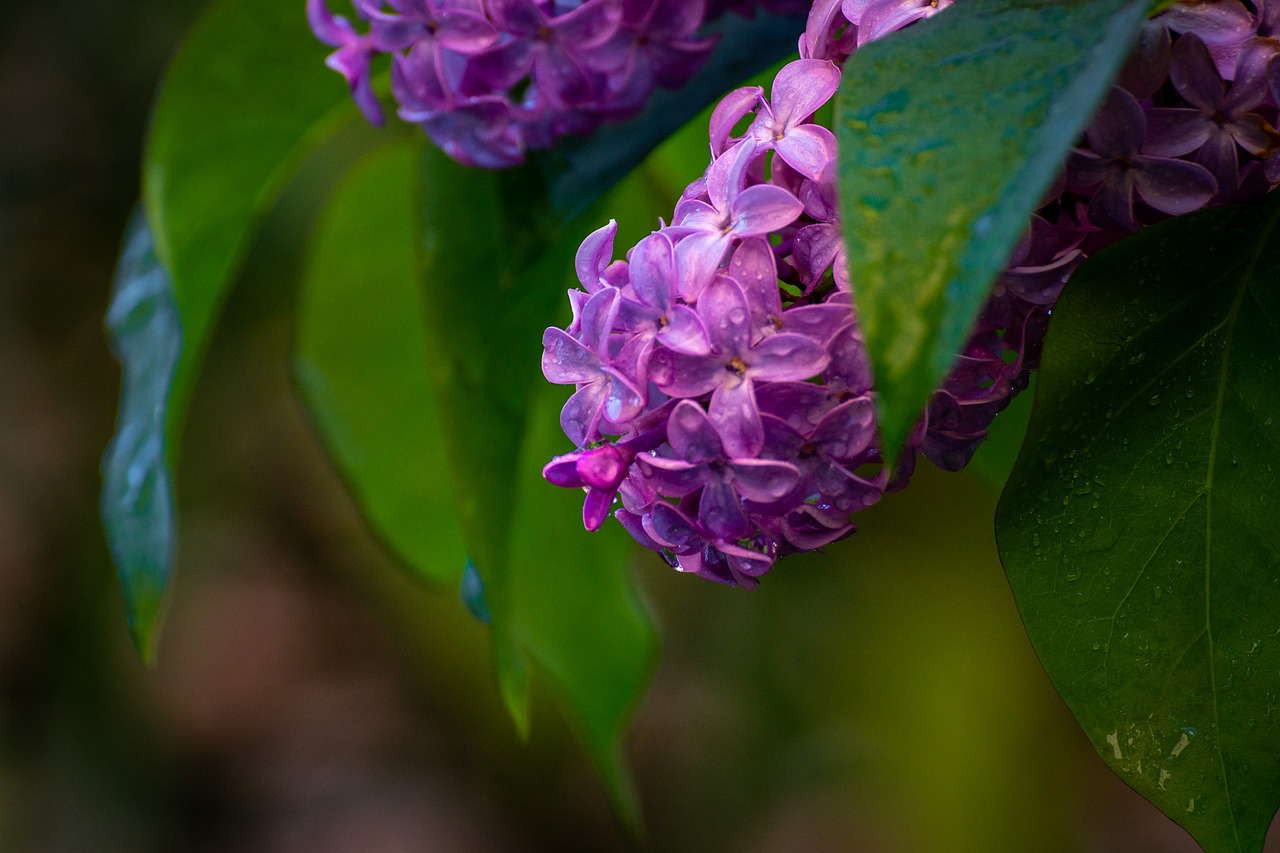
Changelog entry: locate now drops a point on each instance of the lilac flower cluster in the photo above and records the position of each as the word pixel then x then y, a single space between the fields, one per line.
pixel 490 79
pixel 723 396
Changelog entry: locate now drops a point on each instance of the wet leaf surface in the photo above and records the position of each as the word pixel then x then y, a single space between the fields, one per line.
pixel 1139 529
pixel 137 490
pixel 950 133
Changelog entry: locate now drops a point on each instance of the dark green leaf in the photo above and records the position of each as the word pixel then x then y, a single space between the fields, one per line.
pixel 361 365
pixel 575 611
pixel 496 262
pixel 137 491
pixel 950 133
pixel 1139 529
pixel 498 252
pixel 493 270
pixel 245 97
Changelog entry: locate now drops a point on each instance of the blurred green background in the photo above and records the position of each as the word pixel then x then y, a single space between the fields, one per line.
pixel 880 697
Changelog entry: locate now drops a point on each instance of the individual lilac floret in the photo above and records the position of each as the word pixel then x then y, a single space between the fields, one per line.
pixel 600 472
pixel 1115 169
pixel 736 363
pixel 800 88
pixel 704 461
pixel 729 212
pixel 603 392
pixel 1220 118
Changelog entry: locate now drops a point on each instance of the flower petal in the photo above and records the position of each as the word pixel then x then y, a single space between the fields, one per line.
pixel 581 413
pixel 684 332
pixel 1173 186
pixel 672 528
pixel 764 481
pixel 565 361
pixel 807 148
pixel 848 429
pixel 691 435
pixel 736 418
pixel 762 209
pixel 755 269
pixel 594 256
pixel 652 270
pixel 1119 127
pixel 1174 131
pixel 801 87
pixel 595 509
pixel 720 511
pixel 732 109
pixel 724 313
pixel 698 257
pixel 787 356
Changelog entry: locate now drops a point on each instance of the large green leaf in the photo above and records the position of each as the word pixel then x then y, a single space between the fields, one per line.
pixel 243 100
pixel 950 133
pixel 1139 529
pixel 497 257
pixel 361 364
pixel 574 609
pixel 496 260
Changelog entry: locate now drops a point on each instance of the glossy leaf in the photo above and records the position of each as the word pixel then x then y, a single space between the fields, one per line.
pixel 575 611
pixel 361 365
pixel 137 491
pixel 497 257
pixel 1139 529
pixel 950 133
pixel 245 97
pixel 496 261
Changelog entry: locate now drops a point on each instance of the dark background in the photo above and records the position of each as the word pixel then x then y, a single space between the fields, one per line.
pixel 309 697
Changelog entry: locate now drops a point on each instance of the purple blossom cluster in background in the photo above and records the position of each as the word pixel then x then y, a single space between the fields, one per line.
pixel 723 410
pixel 489 80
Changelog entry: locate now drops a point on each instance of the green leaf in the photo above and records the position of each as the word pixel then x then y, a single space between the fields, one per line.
pixel 137 491
pixel 497 256
pixel 496 261
pixel 575 610
pixel 1139 528
pixel 950 133
pixel 246 96
pixel 361 365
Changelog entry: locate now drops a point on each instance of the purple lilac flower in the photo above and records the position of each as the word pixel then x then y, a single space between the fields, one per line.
pixel 1114 170
pixel 723 394
pixel 488 80
pixel 1221 117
